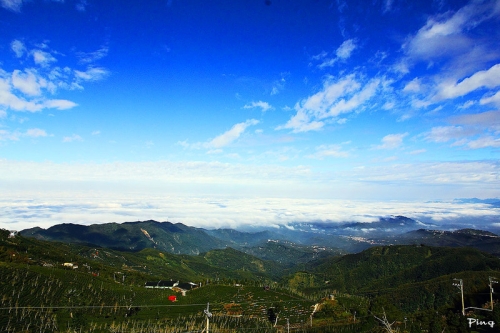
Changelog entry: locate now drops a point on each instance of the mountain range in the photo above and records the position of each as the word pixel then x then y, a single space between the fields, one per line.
pixel 291 244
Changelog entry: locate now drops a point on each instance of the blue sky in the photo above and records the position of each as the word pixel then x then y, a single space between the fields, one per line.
pixel 377 101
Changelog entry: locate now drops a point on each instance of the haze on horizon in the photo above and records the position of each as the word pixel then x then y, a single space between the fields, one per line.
pixel 258 112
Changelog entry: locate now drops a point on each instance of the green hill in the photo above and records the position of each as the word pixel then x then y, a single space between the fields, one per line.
pixel 390 266
pixel 132 236
pixel 290 254
pixel 104 290
pixel 478 239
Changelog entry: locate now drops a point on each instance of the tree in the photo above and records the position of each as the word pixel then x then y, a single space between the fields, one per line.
pixel 385 323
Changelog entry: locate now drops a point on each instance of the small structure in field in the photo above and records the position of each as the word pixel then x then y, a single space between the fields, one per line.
pixel 184 287
pixel 162 284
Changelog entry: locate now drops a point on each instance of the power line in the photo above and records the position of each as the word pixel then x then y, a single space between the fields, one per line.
pixel 97 306
pixel 142 305
pixel 416 285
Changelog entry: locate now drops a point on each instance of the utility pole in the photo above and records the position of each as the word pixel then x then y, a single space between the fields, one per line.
pixel 491 291
pixel 460 286
pixel 288 325
pixel 208 314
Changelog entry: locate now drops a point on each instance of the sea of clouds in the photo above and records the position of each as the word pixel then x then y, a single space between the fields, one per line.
pixel 217 195
pixel 22 210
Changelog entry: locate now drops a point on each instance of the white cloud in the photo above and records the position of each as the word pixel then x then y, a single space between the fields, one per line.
pixel 279 85
pixel 96 133
pixel 484 142
pixel 387 6
pixel 16 136
pixel 329 151
pixel 435 111
pixel 413 86
pixel 467 105
pixel 418 151
pixel 355 101
pixel 467 135
pixel 482 79
pixel 215 151
pixel 494 99
pixel 60 104
pixel 43 58
pixel 479 177
pixel 92 74
pixel 18 48
pixel 188 172
pixel 250 189
pixel 418 103
pixel 392 141
pixel 90 57
pixel 320 102
pixel 402 66
pixel 342 53
pixel 72 138
pixel 35 133
pixel 260 104
pixel 186 144
pixel 442 134
pixel 81 5
pixel 27 82
pixel 405 116
pixel 9 100
pixel 3 114
pixel 55 206
pixel 484 120
pixel 458 58
pixel 231 135
pixel 221 140
pixel 320 55
pixel 29 89
pixel 388 106
pixel 345 50
pixel 301 122
pixel 6 135
pixel 473 131
pixel 445 35
pixel 13 5
pixel 337 97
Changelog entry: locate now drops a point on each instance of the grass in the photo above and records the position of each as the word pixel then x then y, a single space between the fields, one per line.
pixel 36 298
pixel 106 292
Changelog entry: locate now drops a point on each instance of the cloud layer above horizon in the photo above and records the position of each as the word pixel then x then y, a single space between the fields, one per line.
pixel 45 209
